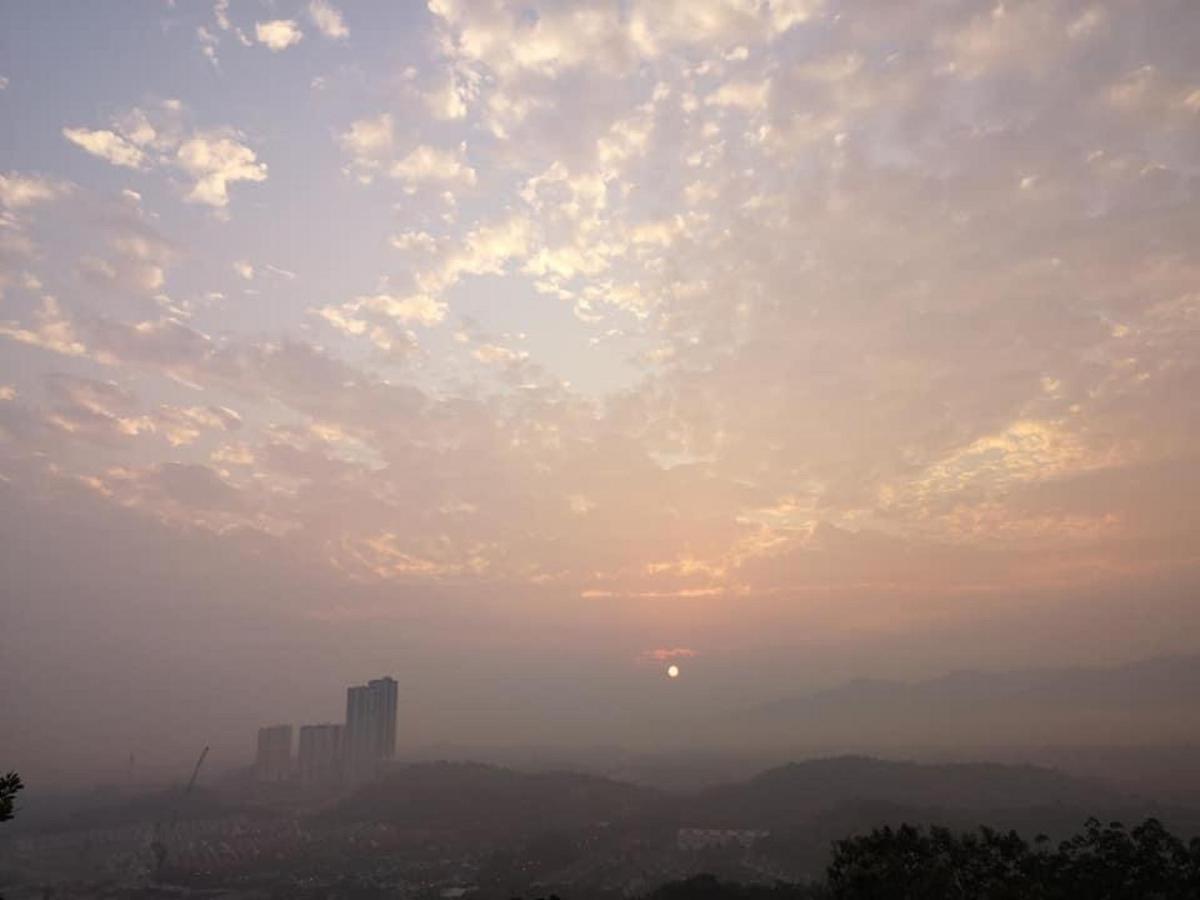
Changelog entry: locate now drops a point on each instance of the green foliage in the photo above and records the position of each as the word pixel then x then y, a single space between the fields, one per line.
pixel 10 786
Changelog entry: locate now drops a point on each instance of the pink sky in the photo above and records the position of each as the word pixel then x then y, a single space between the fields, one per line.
pixel 518 350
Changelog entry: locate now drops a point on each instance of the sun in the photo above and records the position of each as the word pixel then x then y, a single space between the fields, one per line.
pixel 672 671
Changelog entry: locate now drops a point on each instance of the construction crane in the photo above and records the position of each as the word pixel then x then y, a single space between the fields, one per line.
pixel 158 846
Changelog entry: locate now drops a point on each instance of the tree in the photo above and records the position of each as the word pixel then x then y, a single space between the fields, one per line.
pixel 10 786
pixel 1102 863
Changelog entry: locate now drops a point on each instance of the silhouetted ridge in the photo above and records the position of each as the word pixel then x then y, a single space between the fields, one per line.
pixel 1147 702
pixel 798 791
pixel 1164 682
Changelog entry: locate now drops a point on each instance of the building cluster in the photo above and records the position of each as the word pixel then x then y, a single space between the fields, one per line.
pixel 350 752
pixel 706 838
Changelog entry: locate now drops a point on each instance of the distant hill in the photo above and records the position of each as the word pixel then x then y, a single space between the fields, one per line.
pixel 801 792
pixel 482 799
pixel 1153 701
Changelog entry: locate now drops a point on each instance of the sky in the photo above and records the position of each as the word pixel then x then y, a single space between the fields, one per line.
pixel 522 349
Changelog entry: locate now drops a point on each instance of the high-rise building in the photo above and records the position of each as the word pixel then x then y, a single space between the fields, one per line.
pixel 370 735
pixel 273 762
pixel 385 730
pixel 320 755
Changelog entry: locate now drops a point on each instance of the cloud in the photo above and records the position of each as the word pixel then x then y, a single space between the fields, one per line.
pixel 138 255
pixel 657 25
pixel 425 164
pixel 105 413
pixel 216 160
pixel 556 40
pixel 159 138
pixel 182 425
pixel 497 354
pixel 355 318
pixel 51 330
pixel 18 192
pixel 667 654
pixel 369 144
pixel 452 98
pixel 286 274
pixel 137 265
pixel 328 19
pixel 417 308
pixel 210 41
pixel 278 34
pixel 750 96
pixel 108 146
pixel 416 241
pixel 208 45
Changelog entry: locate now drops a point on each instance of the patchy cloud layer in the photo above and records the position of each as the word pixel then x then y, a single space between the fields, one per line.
pixel 874 319
pixel 209 160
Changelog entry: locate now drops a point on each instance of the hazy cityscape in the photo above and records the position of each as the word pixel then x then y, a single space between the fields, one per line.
pixel 600 449
pixel 346 809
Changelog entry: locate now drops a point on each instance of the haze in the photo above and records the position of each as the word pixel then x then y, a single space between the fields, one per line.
pixel 522 350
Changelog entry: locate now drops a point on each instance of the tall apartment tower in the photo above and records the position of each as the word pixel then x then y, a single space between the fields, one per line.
pixel 320 755
pixel 370 735
pixel 273 761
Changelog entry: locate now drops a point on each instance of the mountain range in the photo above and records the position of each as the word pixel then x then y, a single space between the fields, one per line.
pixel 1150 702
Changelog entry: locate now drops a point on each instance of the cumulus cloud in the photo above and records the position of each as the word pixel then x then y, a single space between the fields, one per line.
pixel 278 34
pixel 159 138
pixel 214 161
pixel 108 146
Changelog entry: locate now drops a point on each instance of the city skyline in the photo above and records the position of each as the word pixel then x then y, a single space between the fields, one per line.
pixel 350 752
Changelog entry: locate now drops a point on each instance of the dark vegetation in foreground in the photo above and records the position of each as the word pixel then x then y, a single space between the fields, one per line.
pixel 10 786
pixel 1104 862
